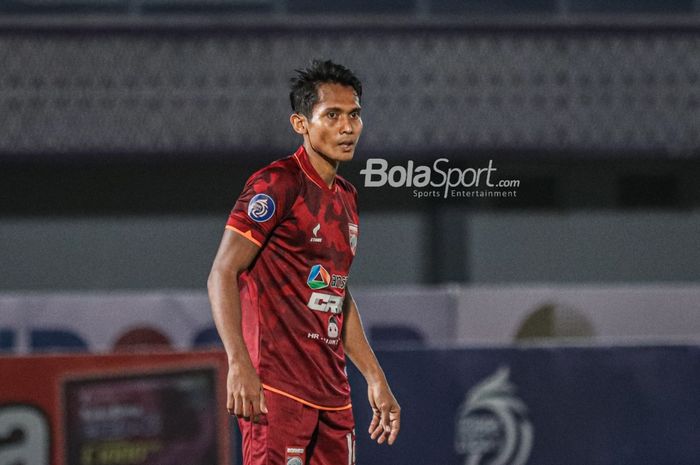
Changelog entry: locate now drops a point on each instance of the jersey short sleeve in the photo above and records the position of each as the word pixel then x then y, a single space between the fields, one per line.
pixel 266 199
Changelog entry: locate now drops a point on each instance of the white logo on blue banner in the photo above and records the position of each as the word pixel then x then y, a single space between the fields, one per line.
pixel 261 208
pixel 492 425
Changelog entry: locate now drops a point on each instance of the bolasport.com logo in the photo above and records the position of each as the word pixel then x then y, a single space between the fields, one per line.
pixel 440 180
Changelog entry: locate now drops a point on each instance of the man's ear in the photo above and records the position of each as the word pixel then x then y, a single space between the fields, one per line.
pixel 298 122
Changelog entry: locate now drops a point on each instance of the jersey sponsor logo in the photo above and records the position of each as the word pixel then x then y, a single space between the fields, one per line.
pixel 352 233
pixel 318 278
pixel 333 328
pixel 322 302
pixel 339 281
pixel 315 231
pixel 261 208
pixel 333 342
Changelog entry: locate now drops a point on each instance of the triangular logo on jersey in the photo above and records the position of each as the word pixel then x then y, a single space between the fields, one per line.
pixel 352 231
pixel 318 278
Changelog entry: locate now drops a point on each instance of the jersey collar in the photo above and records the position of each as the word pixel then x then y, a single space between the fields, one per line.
pixel 303 159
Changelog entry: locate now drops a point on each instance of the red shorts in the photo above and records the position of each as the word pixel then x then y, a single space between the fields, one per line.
pixel 295 434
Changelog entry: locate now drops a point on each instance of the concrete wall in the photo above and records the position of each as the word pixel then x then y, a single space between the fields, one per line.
pixel 584 247
pixel 152 252
pixel 171 252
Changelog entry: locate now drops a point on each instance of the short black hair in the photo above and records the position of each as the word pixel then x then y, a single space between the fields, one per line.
pixel 303 93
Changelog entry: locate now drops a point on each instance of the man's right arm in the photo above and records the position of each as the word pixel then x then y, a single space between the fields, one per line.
pixel 245 396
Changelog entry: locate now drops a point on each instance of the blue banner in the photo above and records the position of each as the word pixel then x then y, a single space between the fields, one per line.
pixel 543 406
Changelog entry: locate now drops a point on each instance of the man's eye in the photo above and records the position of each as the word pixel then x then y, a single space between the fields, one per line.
pixel 332 114
pixel 354 115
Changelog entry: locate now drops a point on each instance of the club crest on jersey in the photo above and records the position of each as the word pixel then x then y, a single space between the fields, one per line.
pixel 261 208
pixel 352 231
pixel 318 278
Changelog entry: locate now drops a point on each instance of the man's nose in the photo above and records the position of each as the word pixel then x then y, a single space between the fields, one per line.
pixel 346 125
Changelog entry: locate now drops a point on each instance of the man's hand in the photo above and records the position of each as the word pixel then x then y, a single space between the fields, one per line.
pixel 245 398
pixel 386 420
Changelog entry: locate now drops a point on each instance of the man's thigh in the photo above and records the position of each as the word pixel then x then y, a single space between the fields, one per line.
pixel 334 443
pixel 281 435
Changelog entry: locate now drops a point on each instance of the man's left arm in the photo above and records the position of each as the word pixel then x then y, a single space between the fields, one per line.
pixel 386 418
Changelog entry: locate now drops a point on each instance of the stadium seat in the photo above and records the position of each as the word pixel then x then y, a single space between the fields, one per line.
pixel 554 321
pixel 395 336
pixel 55 340
pixel 355 7
pixel 7 340
pixel 491 7
pixel 142 339
pixel 207 338
pixel 631 6
pixel 207 6
pixel 64 6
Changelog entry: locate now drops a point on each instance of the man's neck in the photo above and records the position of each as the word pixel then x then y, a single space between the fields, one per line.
pixel 325 167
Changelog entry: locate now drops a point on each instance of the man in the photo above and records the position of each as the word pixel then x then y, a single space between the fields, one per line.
pixel 279 296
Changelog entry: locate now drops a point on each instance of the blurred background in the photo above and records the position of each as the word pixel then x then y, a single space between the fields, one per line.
pixel 562 322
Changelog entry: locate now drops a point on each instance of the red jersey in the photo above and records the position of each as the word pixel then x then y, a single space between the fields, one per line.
pixel 292 295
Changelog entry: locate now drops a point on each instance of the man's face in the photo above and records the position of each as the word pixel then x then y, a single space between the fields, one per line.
pixel 335 124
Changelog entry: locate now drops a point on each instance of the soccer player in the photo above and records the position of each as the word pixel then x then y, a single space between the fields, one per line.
pixel 279 291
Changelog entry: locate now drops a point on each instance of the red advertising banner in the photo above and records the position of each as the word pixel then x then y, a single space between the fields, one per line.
pixel 132 409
